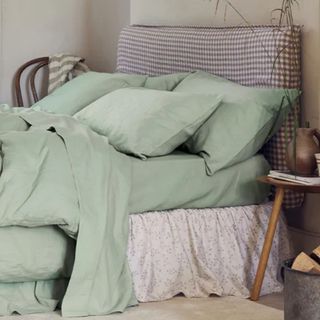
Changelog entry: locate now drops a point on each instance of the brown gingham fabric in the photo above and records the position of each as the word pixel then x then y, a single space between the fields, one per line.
pixel 259 56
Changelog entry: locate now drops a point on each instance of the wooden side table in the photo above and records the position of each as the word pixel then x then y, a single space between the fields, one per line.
pixel 281 186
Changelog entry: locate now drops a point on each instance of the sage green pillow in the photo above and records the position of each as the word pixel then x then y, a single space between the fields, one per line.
pixel 81 91
pixel 166 82
pixel 245 121
pixel 146 122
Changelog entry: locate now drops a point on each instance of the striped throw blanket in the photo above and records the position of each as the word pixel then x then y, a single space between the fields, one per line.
pixel 64 67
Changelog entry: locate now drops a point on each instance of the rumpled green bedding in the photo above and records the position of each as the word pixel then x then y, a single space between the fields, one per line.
pixel 56 172
pixel 67 180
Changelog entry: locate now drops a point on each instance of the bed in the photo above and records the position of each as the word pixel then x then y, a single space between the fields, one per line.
pixel 177 244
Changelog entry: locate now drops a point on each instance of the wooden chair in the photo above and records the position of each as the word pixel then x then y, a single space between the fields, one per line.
pixel 38 64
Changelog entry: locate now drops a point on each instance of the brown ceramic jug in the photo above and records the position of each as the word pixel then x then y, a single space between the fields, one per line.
pixel 307 145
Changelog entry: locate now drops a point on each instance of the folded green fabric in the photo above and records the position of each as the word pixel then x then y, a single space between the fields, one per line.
pixel 166 82
pixel 31 297
pixel 81 91
pixel 56 187
pixel 146 122
pixel 25 258
pixel 244 122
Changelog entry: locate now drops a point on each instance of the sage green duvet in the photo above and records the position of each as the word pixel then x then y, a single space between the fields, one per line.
pixel 55 174
pixel 60 173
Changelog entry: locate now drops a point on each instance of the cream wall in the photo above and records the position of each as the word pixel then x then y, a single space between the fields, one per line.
pixel 199 12
pixel 34 28
pixel 107 18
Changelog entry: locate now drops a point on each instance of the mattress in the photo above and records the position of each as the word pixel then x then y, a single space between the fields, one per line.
pixel 179 180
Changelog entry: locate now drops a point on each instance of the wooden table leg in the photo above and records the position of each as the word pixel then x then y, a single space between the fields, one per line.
pixel 273 221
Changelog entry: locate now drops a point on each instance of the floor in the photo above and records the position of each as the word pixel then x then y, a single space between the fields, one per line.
pixel 181 308
pixel 273 300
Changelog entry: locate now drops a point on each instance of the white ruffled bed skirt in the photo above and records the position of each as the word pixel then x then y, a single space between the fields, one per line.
pixel 199 252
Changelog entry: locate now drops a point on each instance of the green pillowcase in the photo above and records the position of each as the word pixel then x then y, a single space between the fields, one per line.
pixel 30 254
pixel 146 122
pixel 83 90
pixel 166 82
pixel 244 122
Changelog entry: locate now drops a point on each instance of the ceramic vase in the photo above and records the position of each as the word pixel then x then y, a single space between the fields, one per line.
pixel 307 145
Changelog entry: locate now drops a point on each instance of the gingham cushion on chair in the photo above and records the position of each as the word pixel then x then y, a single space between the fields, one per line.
pixel 260 56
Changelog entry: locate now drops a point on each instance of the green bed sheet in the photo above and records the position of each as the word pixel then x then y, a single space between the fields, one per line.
pixel 179 180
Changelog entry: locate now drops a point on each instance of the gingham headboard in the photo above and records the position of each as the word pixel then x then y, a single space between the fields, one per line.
pixel 260 56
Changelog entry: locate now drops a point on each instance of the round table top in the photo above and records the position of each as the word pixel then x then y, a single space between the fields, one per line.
pixel 290 185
